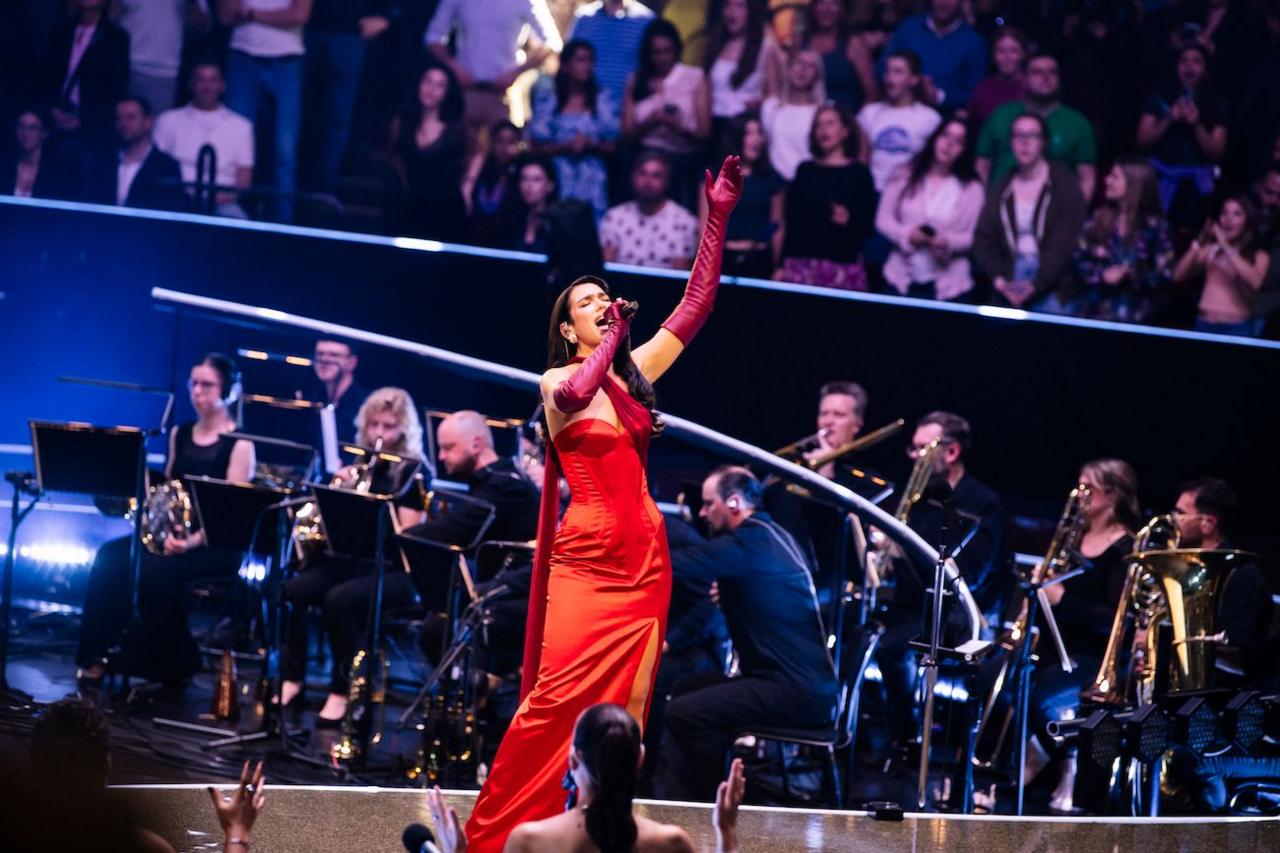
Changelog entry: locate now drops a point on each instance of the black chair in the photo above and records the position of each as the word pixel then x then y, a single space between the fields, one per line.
pixel 842 734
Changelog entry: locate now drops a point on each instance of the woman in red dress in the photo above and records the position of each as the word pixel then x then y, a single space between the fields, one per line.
pixel 602 582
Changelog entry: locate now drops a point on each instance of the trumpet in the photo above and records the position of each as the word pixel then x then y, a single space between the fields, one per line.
pixel 797 449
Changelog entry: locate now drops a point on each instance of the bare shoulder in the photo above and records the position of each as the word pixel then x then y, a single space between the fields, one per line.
pixel 549 834
pixel 654 837
pixel 555 375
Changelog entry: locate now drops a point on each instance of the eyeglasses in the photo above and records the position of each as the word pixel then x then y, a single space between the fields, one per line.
pixel 193 384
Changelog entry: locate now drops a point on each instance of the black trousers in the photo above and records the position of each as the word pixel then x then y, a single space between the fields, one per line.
pixel 343 594
pixel 900 673
pixel 674 668
pixel 164 649
pixel 702 719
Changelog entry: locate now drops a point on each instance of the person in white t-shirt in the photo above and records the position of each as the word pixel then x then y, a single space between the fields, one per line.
pixel 156 29
pixel 897 126
pixel 788 116
pixel 266 59
pixel 184 132
pixel 653 230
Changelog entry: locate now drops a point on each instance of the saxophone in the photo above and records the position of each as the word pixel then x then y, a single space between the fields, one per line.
pixel 1060 558
pixel 1142 600
pixel 921 471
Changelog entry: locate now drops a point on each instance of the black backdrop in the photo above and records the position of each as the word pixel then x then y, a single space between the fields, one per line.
pixel 1043 397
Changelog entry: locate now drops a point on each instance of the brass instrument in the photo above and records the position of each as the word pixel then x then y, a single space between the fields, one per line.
pixel 1059 559
pixel 797 449
pixel 167 512
pixel 921 471
pixel 366 702
pixel 1142 605
pixel 1189 580
pixel 307 535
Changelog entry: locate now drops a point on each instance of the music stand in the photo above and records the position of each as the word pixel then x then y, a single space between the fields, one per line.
pixel 80 458
pixel 230 515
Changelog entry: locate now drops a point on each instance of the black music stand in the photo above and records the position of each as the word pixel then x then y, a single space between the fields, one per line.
pixel 230 515
pixel 79 458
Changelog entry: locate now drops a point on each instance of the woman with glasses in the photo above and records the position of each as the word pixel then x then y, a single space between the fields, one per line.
pixel 163 649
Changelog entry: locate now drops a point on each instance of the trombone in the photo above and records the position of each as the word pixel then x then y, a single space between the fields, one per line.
pixel 796 449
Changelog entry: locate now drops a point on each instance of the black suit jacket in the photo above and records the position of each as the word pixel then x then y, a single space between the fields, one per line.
pixel 157 185
pixel 103 74
pixel 53 179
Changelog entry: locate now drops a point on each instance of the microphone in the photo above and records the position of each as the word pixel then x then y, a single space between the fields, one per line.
pixel 416 838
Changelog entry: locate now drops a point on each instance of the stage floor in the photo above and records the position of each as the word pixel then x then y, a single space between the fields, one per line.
pixel 310 819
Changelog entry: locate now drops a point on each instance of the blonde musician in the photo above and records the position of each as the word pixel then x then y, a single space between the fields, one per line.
pixel 387 415
pixel 164 649
pixel 1083 608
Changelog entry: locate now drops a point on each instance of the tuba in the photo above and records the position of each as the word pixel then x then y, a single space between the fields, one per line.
pixel 1189 580
pixel 167 512
pixel 1141 605
pixel 1060 558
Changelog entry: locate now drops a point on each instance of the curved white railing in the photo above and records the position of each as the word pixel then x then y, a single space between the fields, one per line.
pixel 910 541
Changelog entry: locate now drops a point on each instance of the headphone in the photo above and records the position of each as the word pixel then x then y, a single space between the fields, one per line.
pixel 235 391
pixel 734 503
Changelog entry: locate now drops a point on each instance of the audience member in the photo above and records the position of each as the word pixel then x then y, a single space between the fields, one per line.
pixel 829 208
pixel 771 608
pixel 1125 253
pixel 1026 234
pixel 742 62
pixel 137 173
pixel 35 170
pixel 576 123
pixel 430 143
pixel 238 813
pixel 1009 48
pixel 896 128
pixel 788 116
pixel 954 56
pixel 335 39
pixel 668 107
pixel 184 133
pixel 487 35
pixel 846 60
pixel 1266 197
pixel 156 29
pixel 753 239
pixel 604 767
pixel 1069 140
pixel 928 211
pixel 652 230
pixel 564 230
pixel 1184 126
pixel 1233 267
pixel 490 181
pixel 614 29
pixel 266 60
pixel 86 72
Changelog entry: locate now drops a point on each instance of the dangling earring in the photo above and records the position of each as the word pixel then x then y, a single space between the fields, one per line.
pixel 573 339
pixel 571 786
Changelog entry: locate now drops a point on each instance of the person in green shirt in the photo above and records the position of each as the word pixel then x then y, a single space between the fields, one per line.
pixel 1070 134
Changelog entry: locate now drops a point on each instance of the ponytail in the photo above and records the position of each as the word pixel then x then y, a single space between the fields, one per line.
pixel 608 741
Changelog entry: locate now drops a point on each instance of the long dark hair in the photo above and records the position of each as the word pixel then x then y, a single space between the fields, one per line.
pixel 560 351
pixel 450 108
pixel 645 72
pixel 607 741
pixel 852 129
pixel 753 41
pixel 591 88
pixel 922 162
pixel 735 135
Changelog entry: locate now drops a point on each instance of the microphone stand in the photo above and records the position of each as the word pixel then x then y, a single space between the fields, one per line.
pixel 930 662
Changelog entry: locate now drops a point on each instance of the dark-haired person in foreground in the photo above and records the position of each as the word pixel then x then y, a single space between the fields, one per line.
pixel 604 766
pixel 769 602
pixel 602 581
pixel 165 650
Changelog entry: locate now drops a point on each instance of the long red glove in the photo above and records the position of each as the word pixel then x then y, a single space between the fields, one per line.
pixel 704 278
pixel 576 392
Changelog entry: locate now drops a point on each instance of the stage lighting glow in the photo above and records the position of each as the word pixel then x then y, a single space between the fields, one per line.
pixel 253 570
pixel 53 554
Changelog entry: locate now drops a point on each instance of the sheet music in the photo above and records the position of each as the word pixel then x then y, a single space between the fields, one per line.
pixel 329 439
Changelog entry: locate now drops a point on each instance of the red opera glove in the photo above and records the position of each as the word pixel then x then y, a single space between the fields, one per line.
pixel 576 392
pixel 704 278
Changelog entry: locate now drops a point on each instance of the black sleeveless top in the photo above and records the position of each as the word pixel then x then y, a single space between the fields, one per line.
pixel 190 459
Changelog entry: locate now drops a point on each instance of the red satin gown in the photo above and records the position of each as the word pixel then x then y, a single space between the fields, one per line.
pixel 597 613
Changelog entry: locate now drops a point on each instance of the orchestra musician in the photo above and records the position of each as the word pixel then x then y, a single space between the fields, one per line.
pixel 975 548
pixel 163 649
pixel 387 414
pixel 1082 608
pixel 334 363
